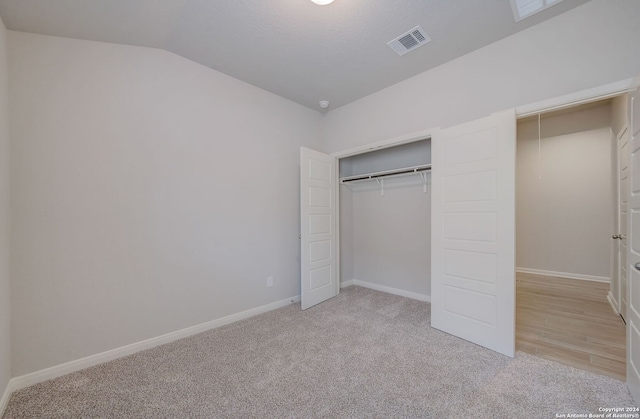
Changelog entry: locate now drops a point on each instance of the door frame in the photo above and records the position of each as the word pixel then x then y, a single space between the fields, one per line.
pixel 594 94
pixel 581 97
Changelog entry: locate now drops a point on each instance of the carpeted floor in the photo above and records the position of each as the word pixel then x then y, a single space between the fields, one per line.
pixel 362 354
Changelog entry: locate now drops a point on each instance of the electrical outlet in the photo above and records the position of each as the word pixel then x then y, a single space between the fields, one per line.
pixel 270 281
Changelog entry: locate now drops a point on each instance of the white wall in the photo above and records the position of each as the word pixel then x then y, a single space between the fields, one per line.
pixel 563 196
pixel 392 234
pixel 346 234
pixel 149 194
pixel 591 45
pixel 5 335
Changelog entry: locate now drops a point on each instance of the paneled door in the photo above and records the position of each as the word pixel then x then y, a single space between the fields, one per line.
pixel 620 294
pixel 633 288
pixel 318 227
pixel 473 231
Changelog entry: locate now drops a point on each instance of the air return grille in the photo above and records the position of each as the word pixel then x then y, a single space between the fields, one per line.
pixel 409 41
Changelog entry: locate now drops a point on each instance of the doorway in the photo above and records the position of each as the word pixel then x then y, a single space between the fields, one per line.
pixel 567 259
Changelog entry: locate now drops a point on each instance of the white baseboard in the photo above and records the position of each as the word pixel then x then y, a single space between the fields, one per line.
pixel 5 398
pixel 389 290
pixel 564 275
pixel 27 380
pixel 613 303
pixel 346 284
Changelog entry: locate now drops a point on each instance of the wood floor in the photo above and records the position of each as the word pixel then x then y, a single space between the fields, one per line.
pixel 570 321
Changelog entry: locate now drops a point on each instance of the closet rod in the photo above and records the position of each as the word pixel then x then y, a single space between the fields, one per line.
pixel 386 173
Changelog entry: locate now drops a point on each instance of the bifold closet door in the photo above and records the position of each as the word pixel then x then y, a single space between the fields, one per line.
pixel 318 227
pixel 473 231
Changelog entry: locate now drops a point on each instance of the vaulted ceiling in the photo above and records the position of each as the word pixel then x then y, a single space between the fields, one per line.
pixel 293 48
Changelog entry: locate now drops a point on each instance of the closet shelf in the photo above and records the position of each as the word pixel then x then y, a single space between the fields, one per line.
pixel 387 173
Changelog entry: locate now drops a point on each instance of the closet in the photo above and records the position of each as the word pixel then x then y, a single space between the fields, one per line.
pixel 461 257
pixel 385 219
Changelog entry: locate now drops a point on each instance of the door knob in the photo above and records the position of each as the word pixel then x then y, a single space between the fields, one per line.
pixel 637 266
pixel 617 237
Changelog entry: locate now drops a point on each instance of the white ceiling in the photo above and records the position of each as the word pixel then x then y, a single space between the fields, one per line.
pixel 292 48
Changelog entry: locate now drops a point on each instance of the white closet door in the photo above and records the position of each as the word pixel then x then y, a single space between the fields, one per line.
pixel 473 232
pixel 633 290
pixel 318 227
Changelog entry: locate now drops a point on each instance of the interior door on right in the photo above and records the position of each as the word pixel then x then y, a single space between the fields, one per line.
pixel 623 222
pixel 633 289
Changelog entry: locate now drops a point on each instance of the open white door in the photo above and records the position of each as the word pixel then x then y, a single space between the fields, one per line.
pixel 318 227
pixel 623 222
pixel 633 290
pixel 473 231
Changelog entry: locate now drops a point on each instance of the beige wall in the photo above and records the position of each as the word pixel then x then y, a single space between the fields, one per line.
pixel 5 336
pixel 585 47
pixel 563 198
pixel 149 194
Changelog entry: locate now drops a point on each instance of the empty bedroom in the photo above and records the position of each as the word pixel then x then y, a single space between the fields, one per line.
pixel 572 235
pixel 299 208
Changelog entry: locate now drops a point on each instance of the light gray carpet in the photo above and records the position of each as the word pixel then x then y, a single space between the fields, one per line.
pixel 363 354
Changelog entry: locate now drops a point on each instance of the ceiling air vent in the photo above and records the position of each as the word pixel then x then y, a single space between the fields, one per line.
pixel 409 41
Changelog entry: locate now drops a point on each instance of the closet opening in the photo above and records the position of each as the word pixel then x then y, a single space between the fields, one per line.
pixel 385 219
pixel 571 229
